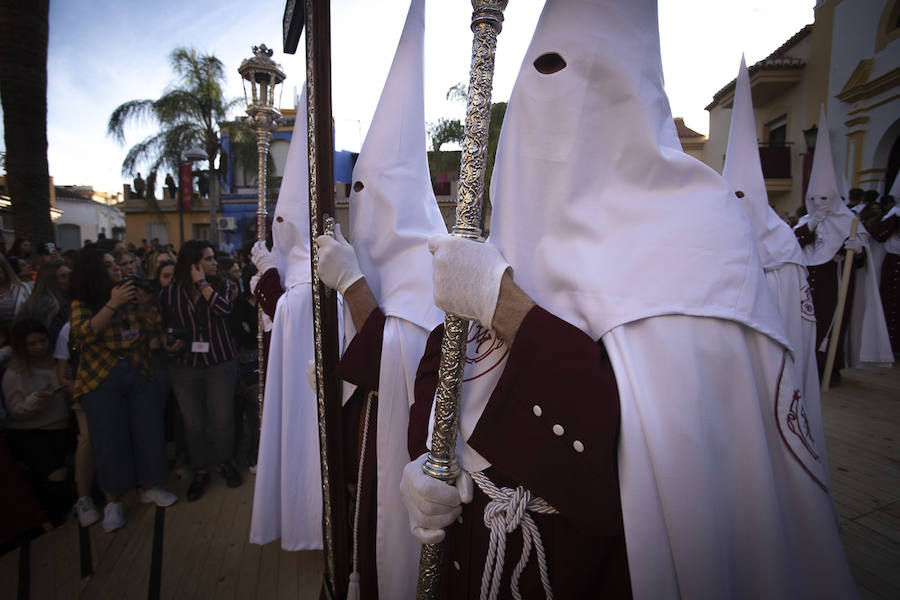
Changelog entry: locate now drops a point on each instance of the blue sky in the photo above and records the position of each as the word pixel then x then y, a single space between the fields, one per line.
pixel 103 53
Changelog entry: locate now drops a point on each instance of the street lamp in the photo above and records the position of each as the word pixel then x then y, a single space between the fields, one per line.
pixel 809 136
pixel 184 180
pixel 263 75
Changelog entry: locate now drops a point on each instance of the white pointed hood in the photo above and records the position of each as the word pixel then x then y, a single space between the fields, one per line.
pixel 603 220
pixel 827 215
pixel 392 207
pixel 777 244
pixel 290 228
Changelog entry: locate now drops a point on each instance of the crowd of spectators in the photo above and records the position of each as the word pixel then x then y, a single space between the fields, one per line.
pixel 121 364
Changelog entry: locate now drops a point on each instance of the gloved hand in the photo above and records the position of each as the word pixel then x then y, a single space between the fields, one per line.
pixel 432 504
pixel 338 267
pixel 467 277
pixel 262 258
pixel 254 281
pixel 854 244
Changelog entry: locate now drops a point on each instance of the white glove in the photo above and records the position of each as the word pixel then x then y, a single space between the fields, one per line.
pixel 432 504
pixel 262 258
pixel 338 267
pixel 254 281
pixel 467 277
pixel 311 374
pixel 854 244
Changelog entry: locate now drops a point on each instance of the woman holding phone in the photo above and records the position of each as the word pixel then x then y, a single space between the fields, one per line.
pixel 114 383
pixel 197 305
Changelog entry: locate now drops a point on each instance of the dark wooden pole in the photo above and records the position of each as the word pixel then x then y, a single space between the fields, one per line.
pixel 335 522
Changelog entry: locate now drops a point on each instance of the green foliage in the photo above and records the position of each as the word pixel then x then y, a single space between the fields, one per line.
pixel 498 111
pixel 444 132
pixel 188 114
pixel 458 93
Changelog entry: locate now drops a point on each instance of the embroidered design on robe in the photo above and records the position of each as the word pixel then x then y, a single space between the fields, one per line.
pixel 793 425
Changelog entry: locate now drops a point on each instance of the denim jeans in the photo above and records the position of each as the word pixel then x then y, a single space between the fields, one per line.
pixel 125 420
pixel 206 399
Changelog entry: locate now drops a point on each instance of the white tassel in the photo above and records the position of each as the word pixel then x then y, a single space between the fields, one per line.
pixel 353 586
pixel 823 347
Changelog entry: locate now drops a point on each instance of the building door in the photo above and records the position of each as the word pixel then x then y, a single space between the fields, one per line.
pixel 200 231
pixel 68 236
pixel 159 231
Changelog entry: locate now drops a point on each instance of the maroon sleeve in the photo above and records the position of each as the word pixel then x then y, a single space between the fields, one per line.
pixel 552 422
pixel 425 386
pixel 804 235
pixel 882 230
pixel 361 362
pixel 268 291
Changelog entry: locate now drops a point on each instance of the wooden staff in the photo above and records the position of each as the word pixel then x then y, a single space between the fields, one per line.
pixel 315 16
pixel 487 20
pixel 839 311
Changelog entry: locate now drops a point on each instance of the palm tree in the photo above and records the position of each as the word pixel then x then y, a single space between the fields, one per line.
pixel 23 89
pixel 189 113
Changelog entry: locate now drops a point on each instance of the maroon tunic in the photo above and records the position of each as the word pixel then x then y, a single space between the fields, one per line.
pixel 890 280
pixel 361 365
pixel 556 366
pixel 823 287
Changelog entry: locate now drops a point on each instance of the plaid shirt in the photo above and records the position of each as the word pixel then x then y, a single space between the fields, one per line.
pixel 127 336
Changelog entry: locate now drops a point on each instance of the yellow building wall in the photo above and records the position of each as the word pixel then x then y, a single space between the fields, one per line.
pixel 136 225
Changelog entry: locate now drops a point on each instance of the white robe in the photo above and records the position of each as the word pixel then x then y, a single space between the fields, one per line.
pixel 710 476
pixel 868 342
pixel 287 500
pixel 791 291
pixel 397 551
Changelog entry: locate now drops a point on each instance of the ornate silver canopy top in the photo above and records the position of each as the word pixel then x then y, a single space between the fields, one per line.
pixel 263 74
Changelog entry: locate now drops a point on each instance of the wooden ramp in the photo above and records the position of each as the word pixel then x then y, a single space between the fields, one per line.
pixel 205 553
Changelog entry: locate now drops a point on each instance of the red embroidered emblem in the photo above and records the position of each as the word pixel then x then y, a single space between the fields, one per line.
pixel 484 350
pixel 793 426
pixel 807 309
pixel 798 424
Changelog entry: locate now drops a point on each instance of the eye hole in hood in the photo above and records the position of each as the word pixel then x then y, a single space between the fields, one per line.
pixel 548 63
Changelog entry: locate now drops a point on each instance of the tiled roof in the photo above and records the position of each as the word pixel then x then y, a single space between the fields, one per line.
pixel 684 131
pixel 776 60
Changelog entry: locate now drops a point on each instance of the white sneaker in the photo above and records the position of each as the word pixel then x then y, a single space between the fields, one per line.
pixel 113 516
pixel 158 496
pixel 86 511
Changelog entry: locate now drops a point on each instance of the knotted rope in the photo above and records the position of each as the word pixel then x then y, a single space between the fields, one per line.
pixel 353 587
pixel 508 510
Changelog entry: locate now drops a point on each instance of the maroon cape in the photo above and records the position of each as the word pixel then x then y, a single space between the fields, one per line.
pixel 557 367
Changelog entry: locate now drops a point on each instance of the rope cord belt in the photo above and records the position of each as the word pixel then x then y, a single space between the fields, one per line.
pixel 353 588
pixel 508 510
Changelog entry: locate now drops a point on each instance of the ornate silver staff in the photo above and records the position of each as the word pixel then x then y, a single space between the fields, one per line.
pixel 487 20
pixel 264 75
pixel 320 144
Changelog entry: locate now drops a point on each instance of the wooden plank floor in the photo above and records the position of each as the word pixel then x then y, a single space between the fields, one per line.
pixel 206 554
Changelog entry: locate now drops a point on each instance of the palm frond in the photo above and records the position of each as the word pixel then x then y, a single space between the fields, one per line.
pixel 144 152
pixel 137 110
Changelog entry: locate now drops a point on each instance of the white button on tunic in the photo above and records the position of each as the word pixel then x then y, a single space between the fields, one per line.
pixel 558 429
pixel 537 410
pixel 579 447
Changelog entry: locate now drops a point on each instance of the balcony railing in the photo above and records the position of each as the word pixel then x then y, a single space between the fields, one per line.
pixel 776 160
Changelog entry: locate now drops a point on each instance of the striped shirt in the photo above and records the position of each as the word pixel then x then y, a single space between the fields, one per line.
pixel 200 323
